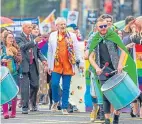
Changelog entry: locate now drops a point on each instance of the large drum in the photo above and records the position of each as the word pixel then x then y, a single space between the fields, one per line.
pixel 8 86
pixel 120 90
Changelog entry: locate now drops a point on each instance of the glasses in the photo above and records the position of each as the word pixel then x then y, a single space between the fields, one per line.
pixel 102 26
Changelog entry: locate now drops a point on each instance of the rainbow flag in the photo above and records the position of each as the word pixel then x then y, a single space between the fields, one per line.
pixel 87 97
pixel 43 46
pixel 47 24
pixel 50 19
pixel 138 52
pixel 11 65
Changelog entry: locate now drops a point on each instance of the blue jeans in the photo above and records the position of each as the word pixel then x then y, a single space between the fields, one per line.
pixel 55 80
pixel 94 100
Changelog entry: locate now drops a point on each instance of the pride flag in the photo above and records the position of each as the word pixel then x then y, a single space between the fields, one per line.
pixel 43 46
pixel 11 65
pixel 138 51
pixel 48 23
pixel 49 19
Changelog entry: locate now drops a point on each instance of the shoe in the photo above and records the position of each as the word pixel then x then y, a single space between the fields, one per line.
pixel 54 107
pixel 102 118
pixel 116 119
pixel 65 112
pixel 131 113
pixel 13 108
pixel 59 107
pixel 107 121
pixel 5 111
pixel 6 116
pixel 34 108
pixel 102 115
pixel 12 116
pixel 70 108
pixel 98 117
pixel 24 111
pixel 50 106
pixel 98 114
pixel 75 108
pixel 93 115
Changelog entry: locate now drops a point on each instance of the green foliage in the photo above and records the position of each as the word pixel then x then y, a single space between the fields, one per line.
pixel 29 8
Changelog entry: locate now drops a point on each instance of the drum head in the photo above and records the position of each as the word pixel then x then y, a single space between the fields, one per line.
pixel 3 72
pixel 113 81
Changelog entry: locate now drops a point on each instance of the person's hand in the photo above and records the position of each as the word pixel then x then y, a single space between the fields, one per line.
pixel 49 71
pixel 9 52
pixel 38 39
pixel 81 68
pixel 130 45
pixel 46 36
pixel 45 69
pixel 44 63
pixel 99 71
pixel 119 68
pixel 4 60
pixel 86 55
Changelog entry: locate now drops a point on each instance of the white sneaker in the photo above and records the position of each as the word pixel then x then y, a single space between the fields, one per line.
pixel 54 107
pixel 65 112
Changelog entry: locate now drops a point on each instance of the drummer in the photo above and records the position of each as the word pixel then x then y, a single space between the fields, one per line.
pixel 11 54
pixel 105 51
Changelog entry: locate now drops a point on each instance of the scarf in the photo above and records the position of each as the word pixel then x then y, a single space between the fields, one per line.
pixel 71 53
pixel 112 36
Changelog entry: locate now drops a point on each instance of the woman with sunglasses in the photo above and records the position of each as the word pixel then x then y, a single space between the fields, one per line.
pixel 13 55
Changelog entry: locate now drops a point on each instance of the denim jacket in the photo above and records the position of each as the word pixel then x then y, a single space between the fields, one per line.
pixel 113 52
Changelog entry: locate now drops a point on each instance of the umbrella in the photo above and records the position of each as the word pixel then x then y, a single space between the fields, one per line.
pixel 4 21
pixel 120 25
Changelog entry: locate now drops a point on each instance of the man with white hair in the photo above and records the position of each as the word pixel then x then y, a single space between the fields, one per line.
pixel 30 66
pixel 63 52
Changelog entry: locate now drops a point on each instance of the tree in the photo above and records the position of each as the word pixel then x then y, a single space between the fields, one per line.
pixel 29 8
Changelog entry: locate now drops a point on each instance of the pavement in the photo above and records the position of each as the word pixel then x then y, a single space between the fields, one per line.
pixel 45 116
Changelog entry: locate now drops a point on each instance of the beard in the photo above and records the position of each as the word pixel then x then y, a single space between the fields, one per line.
pixel 103 32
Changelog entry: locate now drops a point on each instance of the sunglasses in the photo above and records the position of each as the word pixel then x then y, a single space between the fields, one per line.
pixel 102 26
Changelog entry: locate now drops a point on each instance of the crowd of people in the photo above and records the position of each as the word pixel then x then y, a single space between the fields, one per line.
pixel 25 51
pixel 106 44
pixel 103 46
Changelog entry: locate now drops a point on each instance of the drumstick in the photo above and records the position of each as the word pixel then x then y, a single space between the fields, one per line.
pixel 107 74
pixel 106 65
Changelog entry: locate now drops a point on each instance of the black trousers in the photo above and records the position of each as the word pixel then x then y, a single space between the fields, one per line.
pixel 106 103
pixel 139 99
pixel 29 87
pixel 103 79
pixel 49 90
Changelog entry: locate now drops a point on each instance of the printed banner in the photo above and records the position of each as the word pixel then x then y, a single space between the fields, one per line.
pixel 72 17
pixel 17 26
pixel 92 16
